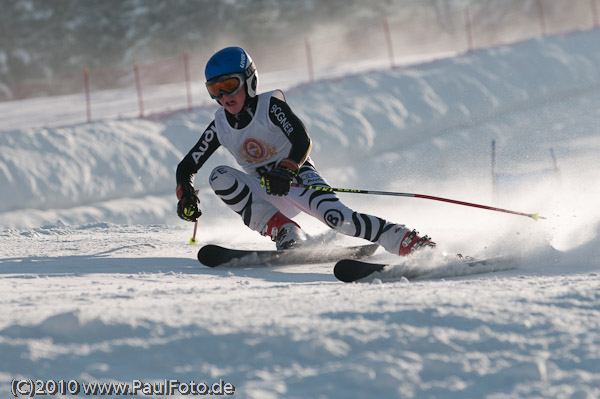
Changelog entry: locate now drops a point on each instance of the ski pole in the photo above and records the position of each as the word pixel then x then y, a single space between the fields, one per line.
pixel 534 216
pixel 193 240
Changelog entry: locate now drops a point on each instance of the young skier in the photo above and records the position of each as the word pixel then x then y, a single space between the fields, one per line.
pixel 272 146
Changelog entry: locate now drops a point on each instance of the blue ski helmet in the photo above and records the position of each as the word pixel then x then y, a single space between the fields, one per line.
pixel 231 60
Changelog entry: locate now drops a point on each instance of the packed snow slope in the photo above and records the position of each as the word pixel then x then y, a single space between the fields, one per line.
pixel 98 281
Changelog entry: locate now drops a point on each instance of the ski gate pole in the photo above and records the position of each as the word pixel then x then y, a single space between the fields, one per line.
pixel 534 216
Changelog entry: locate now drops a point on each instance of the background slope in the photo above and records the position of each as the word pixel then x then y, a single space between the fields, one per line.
pixel 99 284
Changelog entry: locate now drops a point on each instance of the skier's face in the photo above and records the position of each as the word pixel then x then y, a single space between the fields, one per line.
pixel 233 104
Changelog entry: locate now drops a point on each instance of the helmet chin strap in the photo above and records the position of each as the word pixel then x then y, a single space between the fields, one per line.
pixel 247 107
pixel 247 99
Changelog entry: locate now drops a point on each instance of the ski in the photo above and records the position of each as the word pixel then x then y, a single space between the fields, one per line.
pixel 216 255
pixel 350 270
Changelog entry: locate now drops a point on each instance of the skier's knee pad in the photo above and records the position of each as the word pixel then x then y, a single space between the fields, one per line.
pixel 334 218
pixel 337 215
pixel 221 178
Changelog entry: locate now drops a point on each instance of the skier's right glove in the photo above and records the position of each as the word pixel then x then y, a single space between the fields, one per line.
pixel 188 205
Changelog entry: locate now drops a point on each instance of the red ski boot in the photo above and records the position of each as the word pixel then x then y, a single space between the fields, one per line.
pixel 412 242
pixel 284 231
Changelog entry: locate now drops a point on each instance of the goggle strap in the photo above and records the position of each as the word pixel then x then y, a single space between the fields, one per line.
pixel 250 70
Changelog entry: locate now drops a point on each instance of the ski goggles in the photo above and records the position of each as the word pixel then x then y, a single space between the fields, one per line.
pixel 228 84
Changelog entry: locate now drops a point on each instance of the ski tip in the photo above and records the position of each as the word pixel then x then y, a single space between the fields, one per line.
pixel 342 273
pixel 208 255
pixel 350 270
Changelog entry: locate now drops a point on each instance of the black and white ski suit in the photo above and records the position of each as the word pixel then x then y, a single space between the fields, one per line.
pixel 263 134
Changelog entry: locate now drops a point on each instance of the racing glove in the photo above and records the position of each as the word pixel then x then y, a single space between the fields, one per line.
pixel 188 205
pixel 279 179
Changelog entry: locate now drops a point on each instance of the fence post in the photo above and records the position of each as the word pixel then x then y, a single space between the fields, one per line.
pixel 86 84
pixel 309 62
pixel 388 41
pixel 138 84
pixel 188 83
pixel 594 12
pixel 494 182
pixel 540 9
pixel 468 29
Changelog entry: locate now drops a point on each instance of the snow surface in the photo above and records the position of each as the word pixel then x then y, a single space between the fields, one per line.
pixel 99 282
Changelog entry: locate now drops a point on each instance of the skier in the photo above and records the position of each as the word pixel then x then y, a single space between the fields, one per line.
pixel 272 146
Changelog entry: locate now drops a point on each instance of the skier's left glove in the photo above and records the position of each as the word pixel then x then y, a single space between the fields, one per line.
pixel 279 179
pixel 188 205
